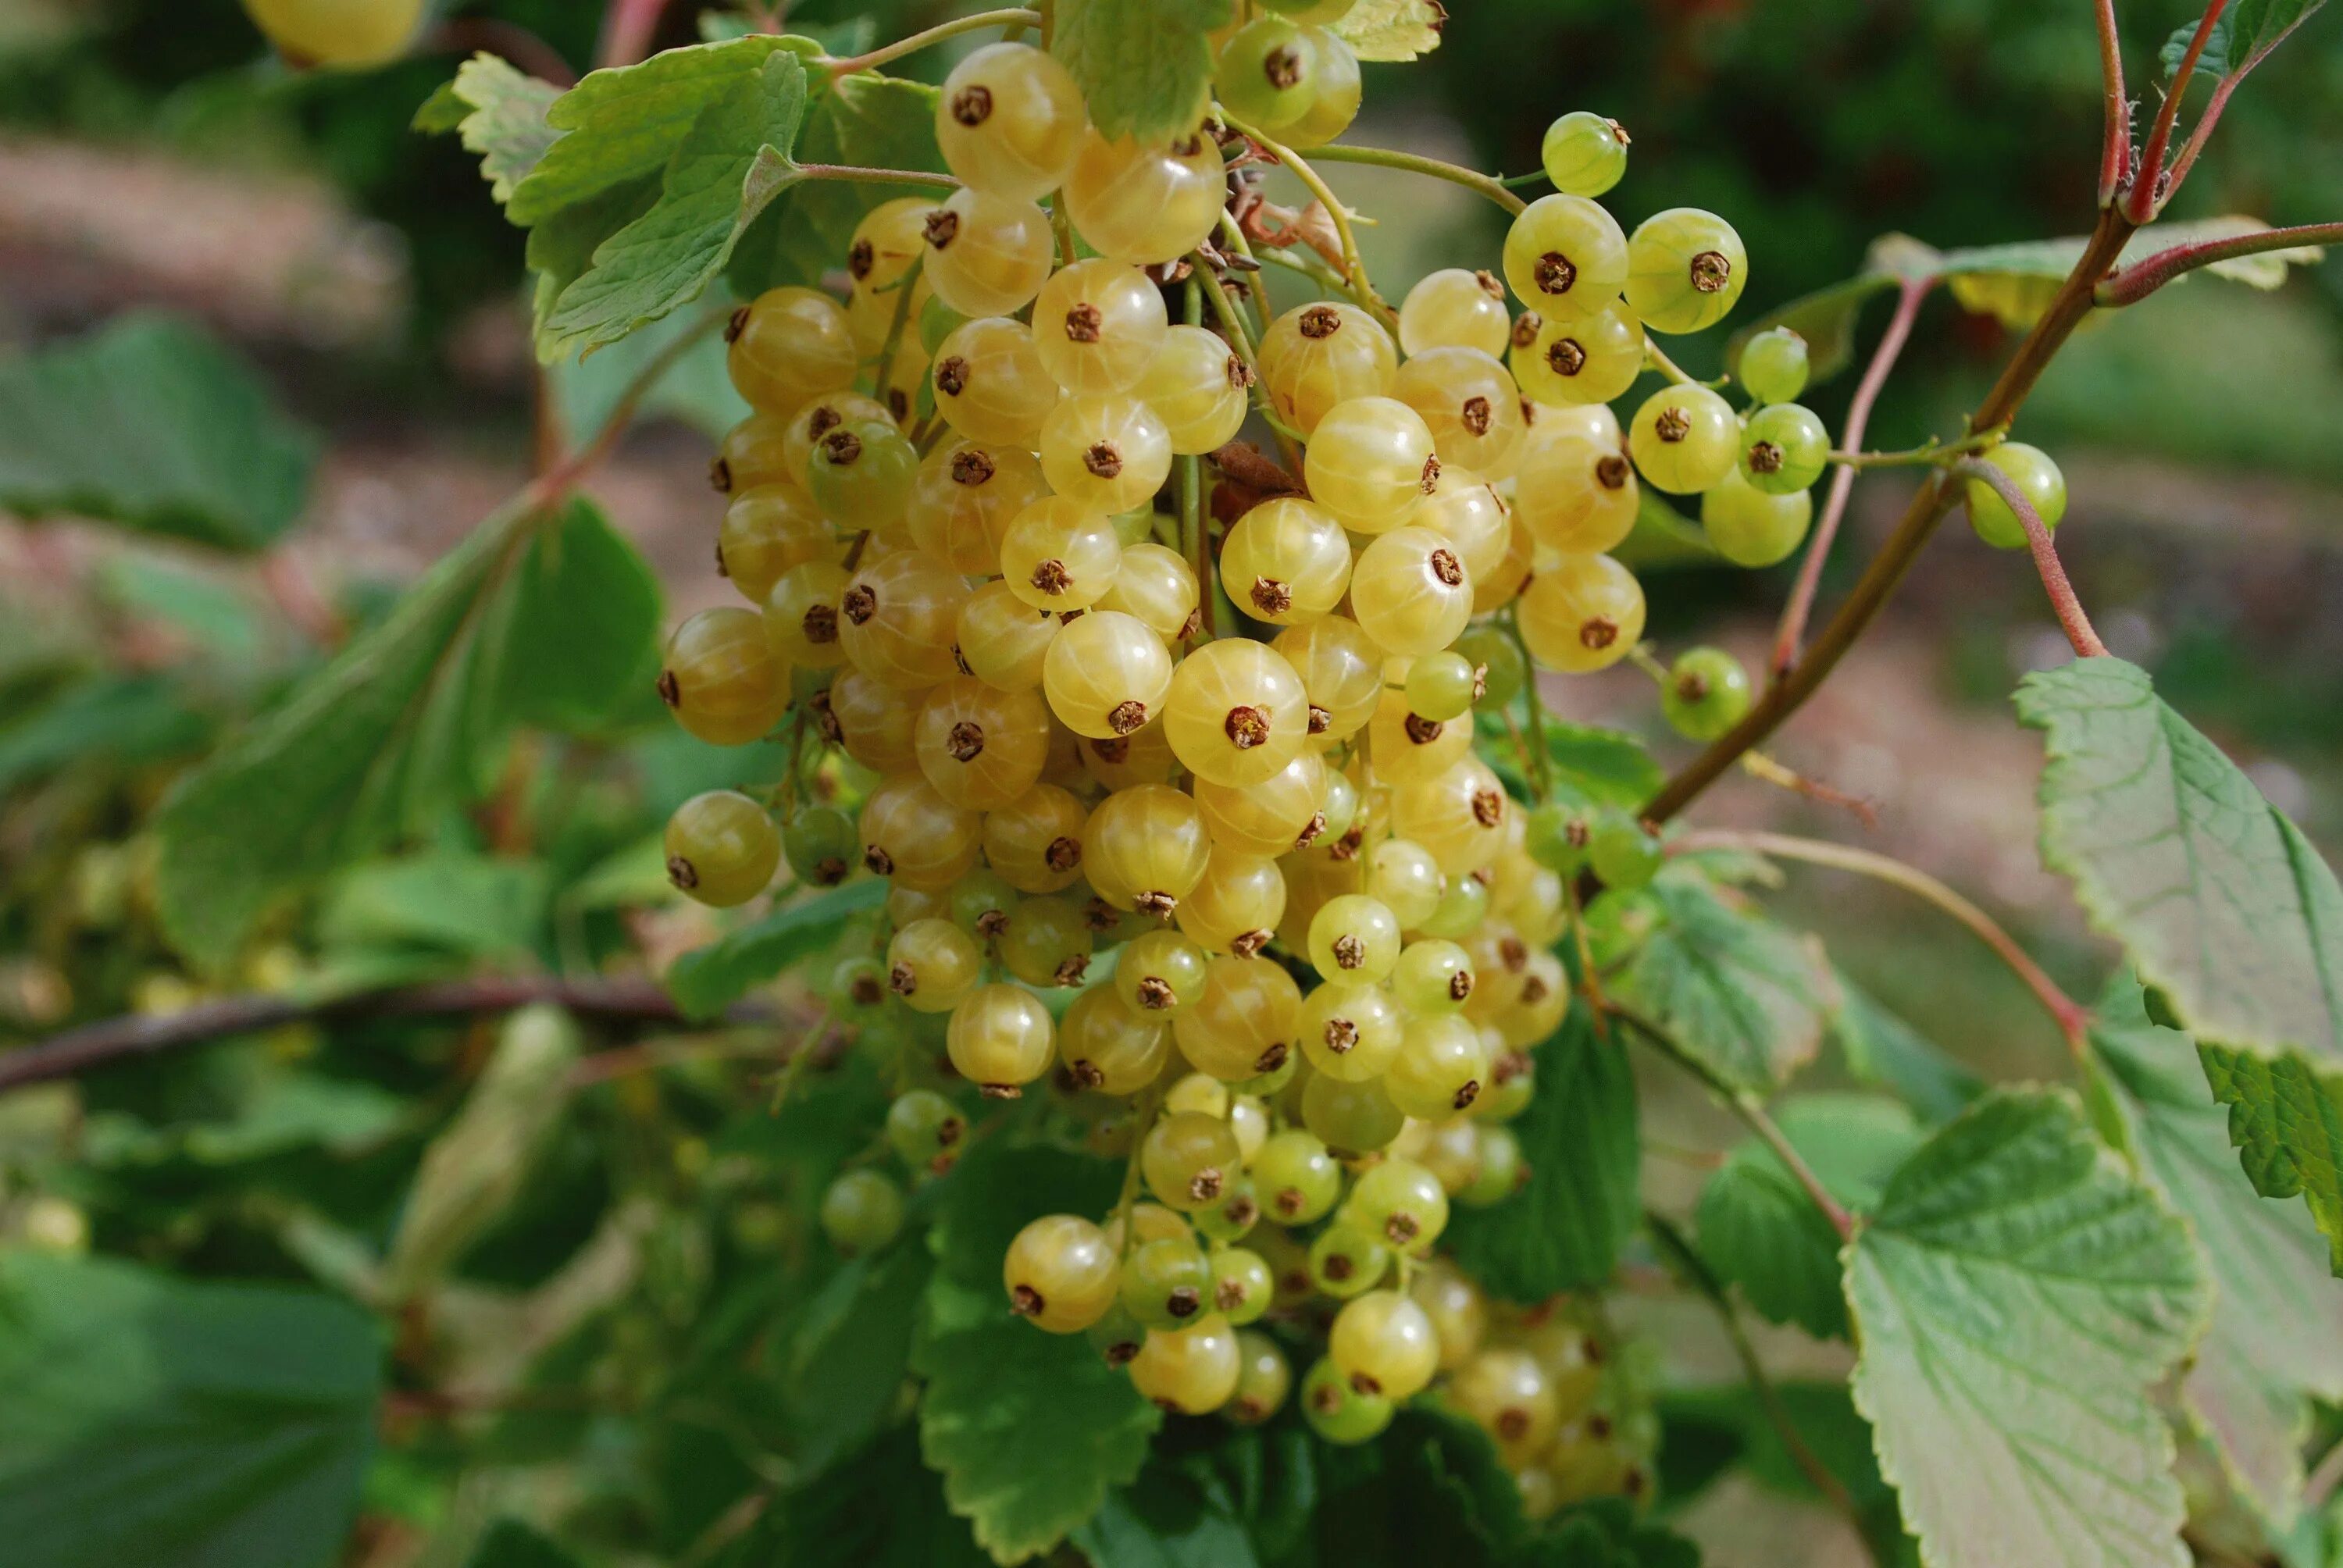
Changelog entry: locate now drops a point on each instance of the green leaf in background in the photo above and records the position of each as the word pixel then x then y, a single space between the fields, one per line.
pixel 2286 1122
pixel 850 1353
pixel 119 719
pixel 1737 991
pixel 1563 1230
pixel 509 1544
pixel 1608 1533
pixel 2245 32
pixel 1760 1231
pixel 735 160
pixel 192 445
pixel 705 981
pixel 542 619
pixel 866 120
pixel 1664 537
pixel 696 390
pixel 1882 1049
pixel 2016 1297
pixel 1608 767
pixel 150 1420
pixel 1145 66
pixel 620 126
pixel 2015 283
pixel 472 1171
pixel 1429 1490
pixel 1390 29
pixel 287 1112
pixel 882 1508
pixel 468 904
pixel 2220 901
pixel 2277 1338
pixel 1827 318
pixel 1167 1518
pixel 1029 1430
pixel 500 113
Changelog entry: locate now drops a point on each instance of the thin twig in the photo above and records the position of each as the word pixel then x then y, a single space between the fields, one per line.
pixel 1751 1110
pixel 861 175
pixel 470 34
pixel 1534 701
pixel 2114 149
pixel 2063 602
pixel 1361 287
pixel 1013 17
pixel 1793 630
pixel 1886 571
pixel 1757 765
pixel 2146 198
pixel 1455 174
pixel 140 1035
pixel 2130 285
pixel 2072 1018
pixel 1693 1270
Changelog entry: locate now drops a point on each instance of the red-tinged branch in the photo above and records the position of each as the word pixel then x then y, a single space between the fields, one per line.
pixel 627 28
pixel 470 34
pixel 2070 609
pixel 2146 275
pixel 1886 571
pixel 2115 152
pixel 139 1035
pixel 1858 417
pixel 2071 1017
pixel 2219 101
pixel 2149 190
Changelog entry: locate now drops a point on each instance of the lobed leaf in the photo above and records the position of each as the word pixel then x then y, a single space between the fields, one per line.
pixel 1145 66
pixel 2286 1121
pixel 2016 1297
pixel 1392 29
pixel 1735 990
pixel 499 112
pixel 1565 1230
pixel 193 447
pixel 531 619
pixel 1029 1430
pixel 151 1420
pixel 705 981
pixel 618 126
pixel 2276 1336
pixel 881 1509
pixel 734 161
pixel 1759 1230
pixel 1882 1049
pixel 865 120
pixel 2221 901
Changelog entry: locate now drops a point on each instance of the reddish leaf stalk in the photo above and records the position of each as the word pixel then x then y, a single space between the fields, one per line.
pixel 2146 275
pixel 2146 199
pixel 2070 609
pixel 1858 416
pixel 2115 153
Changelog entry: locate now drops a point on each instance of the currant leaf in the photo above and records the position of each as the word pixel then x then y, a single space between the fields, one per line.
pixel 1145 66
pixel 2016 1297
pixel 499 112
pixel 705 981
pixel 865 120
pixel 1565 1230
pixel 2277 1338
pixel 2286 1121
pixel 1739 992
pixel 1881 1049
pixel 2241 38
pixel 1392 29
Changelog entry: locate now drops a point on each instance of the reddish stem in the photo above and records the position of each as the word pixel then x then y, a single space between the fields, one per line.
pixel 627 28
pixel 468 34
pixel 2146 199
pixel 2146 275
pixel 2115 152
pixel 2220 101
pixel 1858 416
pixel 2071 618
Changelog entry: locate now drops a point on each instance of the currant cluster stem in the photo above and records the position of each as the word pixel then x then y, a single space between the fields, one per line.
pixel 1356 270
pixel 2063 600
pixel 1011 17
pixel 1886 571
pixel 1455 174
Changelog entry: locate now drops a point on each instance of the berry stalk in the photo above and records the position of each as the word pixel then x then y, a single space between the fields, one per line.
pixel 1454 173
pixel 2071 617
pixel 2144 277
pixel 2147 197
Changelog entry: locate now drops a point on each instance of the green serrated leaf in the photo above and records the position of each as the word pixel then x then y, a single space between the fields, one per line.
pixel 1565 1230
pixel 1881 1047
pixel 735 160
pixel 1145 66
pixel 1429 1490
pixel 1392 29
pixel 500 113
pixel 1760 1231
pixel 194 447
pixel 149 1419
pixel 2277 1338
pixel 405 721
pixel 2221 901
pixel 1165 1519
pixel 1029 1430
pixel 2016 1297
pixel 618 126
pixel 865 120
pixel 2245 33
pixel 1606 767
pixel 1737 991
pixel 2286 1122
pixel 705 981
pixel 843 1377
